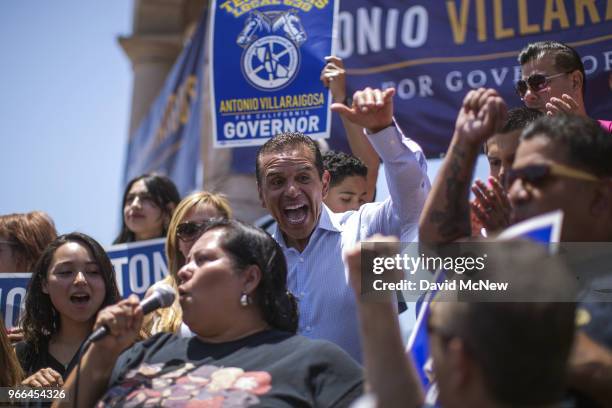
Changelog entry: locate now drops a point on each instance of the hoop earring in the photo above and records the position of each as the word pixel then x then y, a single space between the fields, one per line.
pixel 245 300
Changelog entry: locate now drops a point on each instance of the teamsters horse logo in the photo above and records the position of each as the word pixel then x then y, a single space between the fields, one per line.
pixel 271 42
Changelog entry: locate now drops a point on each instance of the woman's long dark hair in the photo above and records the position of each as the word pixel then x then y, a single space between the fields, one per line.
pixel 249 245
pixel 40 319
pixel 162 191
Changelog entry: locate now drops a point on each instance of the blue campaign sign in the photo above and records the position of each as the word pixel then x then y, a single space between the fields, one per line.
pixel 13 288
pixel 266 61
pixel 137 266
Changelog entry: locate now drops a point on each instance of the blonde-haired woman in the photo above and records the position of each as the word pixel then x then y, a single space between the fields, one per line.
pixel 184 229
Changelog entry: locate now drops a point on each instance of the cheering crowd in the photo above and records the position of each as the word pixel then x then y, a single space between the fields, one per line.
pixel 278 319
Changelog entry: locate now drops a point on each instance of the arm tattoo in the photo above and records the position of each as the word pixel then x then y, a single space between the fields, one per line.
pixel 454 221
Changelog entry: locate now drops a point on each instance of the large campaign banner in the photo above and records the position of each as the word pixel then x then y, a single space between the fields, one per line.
pixel 434 52
pixel 137 266
pixel 168 138
pixel 265 66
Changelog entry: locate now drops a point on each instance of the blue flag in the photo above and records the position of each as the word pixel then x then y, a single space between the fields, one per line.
pixel 168 139
pixel 418 343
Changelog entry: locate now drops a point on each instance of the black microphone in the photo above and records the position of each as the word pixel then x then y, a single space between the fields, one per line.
pixel 163 296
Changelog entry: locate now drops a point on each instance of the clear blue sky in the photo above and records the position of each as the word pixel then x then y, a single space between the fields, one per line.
pixel 65 100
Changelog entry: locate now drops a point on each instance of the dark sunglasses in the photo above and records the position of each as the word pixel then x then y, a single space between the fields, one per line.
pixel 536 173
pixel 536 82
pixel 188 231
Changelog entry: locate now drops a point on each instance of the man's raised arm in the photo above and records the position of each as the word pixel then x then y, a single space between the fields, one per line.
pixel 446 216
pixel 389 374
pixel 405 164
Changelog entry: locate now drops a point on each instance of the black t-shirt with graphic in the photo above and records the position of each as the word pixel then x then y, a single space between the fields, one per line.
pixel 269 368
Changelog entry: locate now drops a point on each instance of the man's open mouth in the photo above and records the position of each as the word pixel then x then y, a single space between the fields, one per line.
pixel 296 214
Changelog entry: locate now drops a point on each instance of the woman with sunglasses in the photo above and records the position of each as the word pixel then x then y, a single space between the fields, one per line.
pixel 148 204
pixel 184 228
pixel 245 352
pixel 71 282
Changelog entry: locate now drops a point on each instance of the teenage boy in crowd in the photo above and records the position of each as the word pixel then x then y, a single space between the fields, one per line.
pixel 490 210
pixel 348 184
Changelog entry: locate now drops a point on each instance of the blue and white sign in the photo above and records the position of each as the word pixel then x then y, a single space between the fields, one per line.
pixel 12 296
pixel 266 60
pixel 545 228
pixel 137 266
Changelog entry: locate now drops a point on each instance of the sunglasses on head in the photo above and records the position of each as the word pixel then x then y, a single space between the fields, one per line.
pixel 535 82
pixel 188 231
pixel 537 173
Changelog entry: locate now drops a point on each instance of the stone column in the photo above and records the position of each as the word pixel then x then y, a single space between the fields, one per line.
pixel 152 57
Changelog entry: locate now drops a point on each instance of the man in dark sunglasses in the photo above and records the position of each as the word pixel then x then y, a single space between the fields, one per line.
pixel 564 163
pixel 553 80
